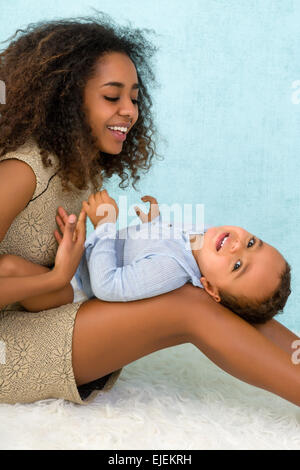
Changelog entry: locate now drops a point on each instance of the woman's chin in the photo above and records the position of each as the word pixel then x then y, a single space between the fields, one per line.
pixel 112 150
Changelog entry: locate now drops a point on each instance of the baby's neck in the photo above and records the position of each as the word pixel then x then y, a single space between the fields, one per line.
pixel 196 241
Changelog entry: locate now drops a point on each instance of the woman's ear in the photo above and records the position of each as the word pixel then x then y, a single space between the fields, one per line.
pixel 211 290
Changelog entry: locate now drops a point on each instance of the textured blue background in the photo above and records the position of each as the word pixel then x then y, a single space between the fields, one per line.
pixel 227 113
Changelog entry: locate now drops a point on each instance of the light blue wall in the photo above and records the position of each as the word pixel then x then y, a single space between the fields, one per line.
pixel 226 106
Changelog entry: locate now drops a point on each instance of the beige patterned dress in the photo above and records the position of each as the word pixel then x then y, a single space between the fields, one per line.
pixel 36 347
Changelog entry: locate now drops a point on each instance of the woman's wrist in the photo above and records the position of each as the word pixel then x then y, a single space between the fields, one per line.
pixel 58 278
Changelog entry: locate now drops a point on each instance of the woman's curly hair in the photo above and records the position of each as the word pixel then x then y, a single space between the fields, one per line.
pixel 45 72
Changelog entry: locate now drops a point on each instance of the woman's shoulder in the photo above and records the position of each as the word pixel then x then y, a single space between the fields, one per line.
pixel 29 153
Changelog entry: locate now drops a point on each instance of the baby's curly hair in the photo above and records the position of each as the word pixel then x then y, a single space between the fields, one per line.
pixel 45 72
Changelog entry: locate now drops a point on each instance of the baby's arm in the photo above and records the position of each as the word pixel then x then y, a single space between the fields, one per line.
pixel 15 266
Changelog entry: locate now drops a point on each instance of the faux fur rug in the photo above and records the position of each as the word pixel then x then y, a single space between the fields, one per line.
pixel 172 399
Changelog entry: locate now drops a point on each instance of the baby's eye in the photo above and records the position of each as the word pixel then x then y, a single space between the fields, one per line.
pixel 254 241
pixel 236 266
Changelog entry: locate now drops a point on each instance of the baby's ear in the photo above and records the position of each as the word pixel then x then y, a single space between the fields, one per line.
pixel 211 290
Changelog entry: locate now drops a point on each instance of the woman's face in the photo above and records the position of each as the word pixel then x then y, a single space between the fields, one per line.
pixel 110 101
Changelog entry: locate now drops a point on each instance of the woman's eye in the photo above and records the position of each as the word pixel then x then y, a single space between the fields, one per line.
pixel 236 266
pixel 252 239
pixel 108 98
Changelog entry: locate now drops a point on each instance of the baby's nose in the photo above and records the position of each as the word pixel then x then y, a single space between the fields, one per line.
pixel 234 245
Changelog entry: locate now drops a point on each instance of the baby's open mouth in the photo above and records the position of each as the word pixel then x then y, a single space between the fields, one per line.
pixel 221 240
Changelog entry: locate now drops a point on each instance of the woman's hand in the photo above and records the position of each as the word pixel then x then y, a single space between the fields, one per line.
pixel 153 211
pixel 101 208
pixel 61 220
pixel 71 245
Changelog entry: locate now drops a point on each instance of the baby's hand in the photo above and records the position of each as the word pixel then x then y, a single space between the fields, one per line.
pixel 153 211
pixel 101 208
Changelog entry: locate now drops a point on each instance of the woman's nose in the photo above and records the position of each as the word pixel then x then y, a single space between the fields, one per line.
pixel 127 108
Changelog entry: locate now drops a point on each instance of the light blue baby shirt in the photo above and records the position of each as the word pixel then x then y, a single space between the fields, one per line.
pixel 137 262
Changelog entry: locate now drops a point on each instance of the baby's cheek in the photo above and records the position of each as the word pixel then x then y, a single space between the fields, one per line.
pixel 215 269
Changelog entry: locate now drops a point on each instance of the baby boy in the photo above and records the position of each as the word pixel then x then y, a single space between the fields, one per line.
pixel 236 268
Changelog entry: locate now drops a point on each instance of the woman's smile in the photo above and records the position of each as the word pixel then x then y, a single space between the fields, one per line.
pixel 119 131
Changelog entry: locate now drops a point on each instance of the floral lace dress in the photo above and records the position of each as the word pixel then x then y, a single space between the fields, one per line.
pixel 36 347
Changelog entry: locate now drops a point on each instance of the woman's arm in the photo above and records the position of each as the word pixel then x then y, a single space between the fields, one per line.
pixel 12 266
pixel 17 186
pixel 41 288
pixel 16 289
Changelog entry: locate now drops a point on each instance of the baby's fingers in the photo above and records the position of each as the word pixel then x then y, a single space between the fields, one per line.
pixel 141 214
pixel 150 199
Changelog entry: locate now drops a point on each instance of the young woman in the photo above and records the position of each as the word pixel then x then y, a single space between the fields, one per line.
pixel 77 111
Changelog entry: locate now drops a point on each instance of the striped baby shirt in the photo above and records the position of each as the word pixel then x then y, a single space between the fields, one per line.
pixel 136 262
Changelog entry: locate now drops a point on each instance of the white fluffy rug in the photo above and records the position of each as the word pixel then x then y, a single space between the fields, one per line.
pixel 172 399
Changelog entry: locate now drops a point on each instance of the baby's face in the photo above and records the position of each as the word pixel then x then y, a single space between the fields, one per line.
pixel 239 263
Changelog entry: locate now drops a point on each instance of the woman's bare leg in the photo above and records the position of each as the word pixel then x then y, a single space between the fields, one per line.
pixel 108 336
pixel 241 350
pixel 279 334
